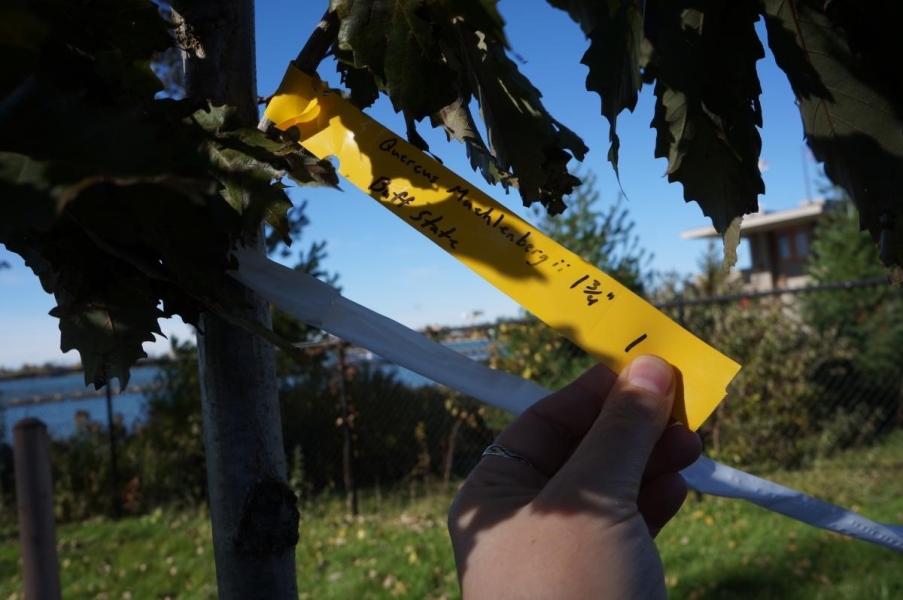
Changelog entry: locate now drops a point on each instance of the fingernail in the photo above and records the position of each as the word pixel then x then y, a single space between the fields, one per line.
pixel 650 373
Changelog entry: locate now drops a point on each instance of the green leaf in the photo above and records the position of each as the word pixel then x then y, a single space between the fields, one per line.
pixel 458 122
pixel 851 103
pixel 35 192
pixel 481 15
pixel 108 329
pixel 308 170
pixel 22 33
pixel 137 77
pixel 63 128
pixel 523 137
pixel 230 156
pixel 360 82
pixel 20 26
pixel 615 31
pixel 250 166
pixel 107 192
pixel 270 204
pixel 394 41
pixel 707 108
pixel 433 58
pixel 613 59
pixel 234 193
pixel 365 82
pixel 118 58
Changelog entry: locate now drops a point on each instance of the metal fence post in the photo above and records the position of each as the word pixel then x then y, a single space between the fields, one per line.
pixel 34 496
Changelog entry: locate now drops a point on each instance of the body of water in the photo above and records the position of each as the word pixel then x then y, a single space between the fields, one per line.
pixel 59 412
pixel 61 393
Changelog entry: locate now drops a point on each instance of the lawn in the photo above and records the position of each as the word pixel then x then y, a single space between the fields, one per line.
pixel 720 548
pixel 399 548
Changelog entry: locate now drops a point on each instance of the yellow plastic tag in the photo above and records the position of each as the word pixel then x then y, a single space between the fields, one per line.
pixel 575 298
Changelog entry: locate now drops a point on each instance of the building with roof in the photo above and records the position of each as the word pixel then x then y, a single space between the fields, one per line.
pixel 779 244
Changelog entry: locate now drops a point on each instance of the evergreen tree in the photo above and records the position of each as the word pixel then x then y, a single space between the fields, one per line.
pixel 869 316
pixel 866 319
pixel 605 238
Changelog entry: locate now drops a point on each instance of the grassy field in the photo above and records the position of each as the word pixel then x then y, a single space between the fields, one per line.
pixel 399 548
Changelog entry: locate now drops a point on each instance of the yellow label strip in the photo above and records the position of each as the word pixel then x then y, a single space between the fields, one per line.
pixel 575 298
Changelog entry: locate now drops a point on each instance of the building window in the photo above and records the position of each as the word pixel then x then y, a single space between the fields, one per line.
pixel 801 241
pixel 784 250
pixel 793 245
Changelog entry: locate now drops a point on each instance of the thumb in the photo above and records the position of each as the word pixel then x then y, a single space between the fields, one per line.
pixel 611 458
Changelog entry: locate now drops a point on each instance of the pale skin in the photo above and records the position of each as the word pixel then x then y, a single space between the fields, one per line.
pixel 604 480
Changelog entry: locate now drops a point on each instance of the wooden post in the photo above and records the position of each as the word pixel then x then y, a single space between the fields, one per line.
pixel 253 511
pixel 34 496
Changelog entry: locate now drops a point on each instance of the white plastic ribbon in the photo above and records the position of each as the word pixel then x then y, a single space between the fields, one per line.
pixel 313 302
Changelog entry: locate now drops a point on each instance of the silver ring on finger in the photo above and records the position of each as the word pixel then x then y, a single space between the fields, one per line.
pixel 497 450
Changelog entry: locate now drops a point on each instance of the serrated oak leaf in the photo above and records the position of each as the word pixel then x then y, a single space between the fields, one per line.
pixel 308 170
pixel 841 67
pixel 250 166
pixel 392 39
pixel 458 122
pixel 360 82
pixel 109 328
pixel 524 139
pixel 707 109
pixel 615 31
pixel 36 192
pixel 480 15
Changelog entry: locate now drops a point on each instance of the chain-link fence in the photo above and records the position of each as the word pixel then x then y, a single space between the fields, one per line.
pixel 822 370
pixel 81 421
pixel 821 373
pixel 351 420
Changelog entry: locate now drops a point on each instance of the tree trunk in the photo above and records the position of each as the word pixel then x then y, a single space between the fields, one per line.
pixel 254 513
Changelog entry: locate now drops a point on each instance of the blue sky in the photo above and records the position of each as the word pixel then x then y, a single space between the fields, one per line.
pixel 389 267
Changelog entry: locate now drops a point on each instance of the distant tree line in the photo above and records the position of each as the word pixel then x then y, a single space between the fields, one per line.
pixel 821 373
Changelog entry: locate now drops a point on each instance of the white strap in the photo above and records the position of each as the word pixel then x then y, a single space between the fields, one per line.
pixel 313 302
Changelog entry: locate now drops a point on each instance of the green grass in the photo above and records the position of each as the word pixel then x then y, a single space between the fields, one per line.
pixel 399 548
pixel 720 548
pixel 405 552
pixel 155 556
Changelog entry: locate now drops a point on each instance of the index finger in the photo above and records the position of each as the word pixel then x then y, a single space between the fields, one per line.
pixel 549 430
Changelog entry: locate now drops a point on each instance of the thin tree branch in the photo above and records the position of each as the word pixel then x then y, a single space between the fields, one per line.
pixel 313 52
pixel 318 43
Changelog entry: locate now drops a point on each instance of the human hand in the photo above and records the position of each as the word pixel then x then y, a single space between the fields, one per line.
pixel 579 520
